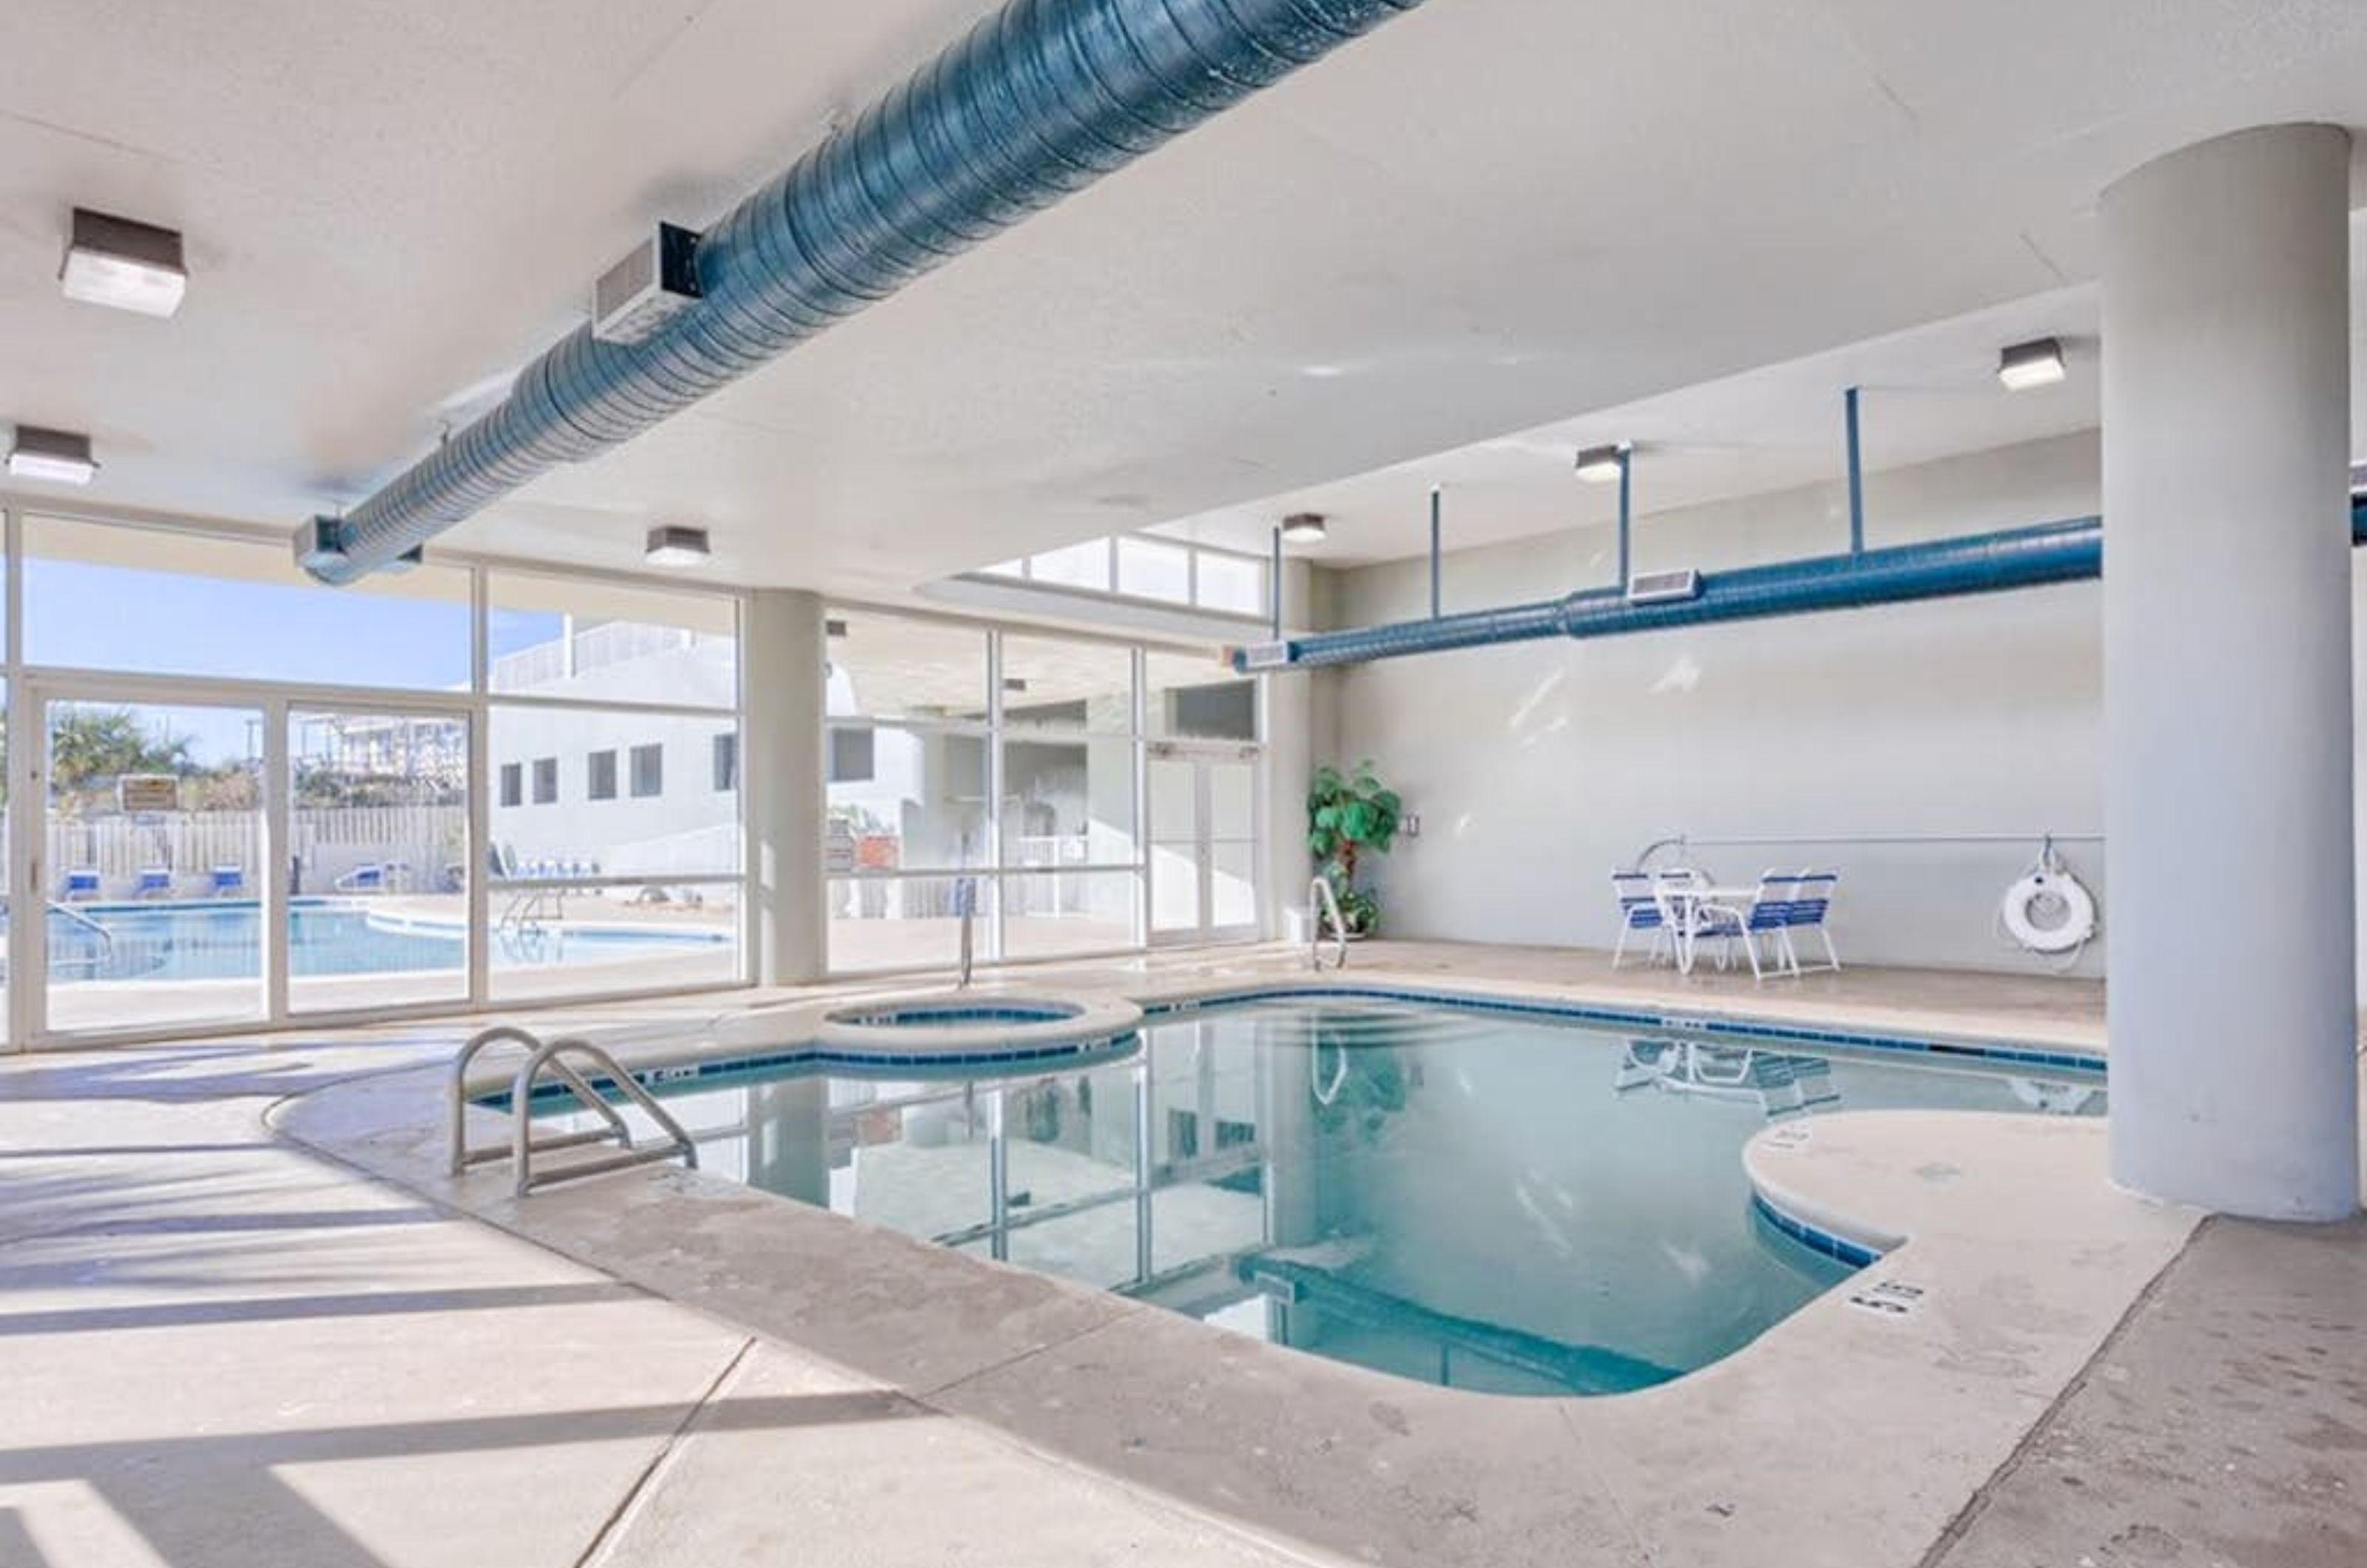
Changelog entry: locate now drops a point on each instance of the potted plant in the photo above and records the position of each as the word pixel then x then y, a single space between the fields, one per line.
pixel 1347 814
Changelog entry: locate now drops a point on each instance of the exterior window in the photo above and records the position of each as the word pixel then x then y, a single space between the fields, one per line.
pixel 648 772
pixel 727 761
pixel 513 783
pixel 600 776
pixel 1234 584
pixel 1085 565
pixel 853 754
pixel 546 780
pixel 1152 568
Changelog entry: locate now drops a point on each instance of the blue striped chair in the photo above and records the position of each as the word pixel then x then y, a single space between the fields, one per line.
pixel 1763 926
pixel 1638 911
pixel 1812 899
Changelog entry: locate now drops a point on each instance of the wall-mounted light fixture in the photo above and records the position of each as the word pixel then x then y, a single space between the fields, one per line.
pixel 126 266
pixel 1304 528
pixel 60 457
pixel 1601 465
pixel 2038 363
pixel 672 544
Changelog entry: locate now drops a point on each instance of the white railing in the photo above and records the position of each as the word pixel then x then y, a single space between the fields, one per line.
pixel 712 851
pixel 595 648
pixel 326 842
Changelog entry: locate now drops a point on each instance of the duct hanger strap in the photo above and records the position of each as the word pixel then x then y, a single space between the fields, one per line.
pixel 1039 100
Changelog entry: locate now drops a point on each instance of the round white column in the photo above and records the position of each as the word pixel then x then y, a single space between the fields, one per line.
pixel 1287 699
pixel 782 788
pixel 2232 1000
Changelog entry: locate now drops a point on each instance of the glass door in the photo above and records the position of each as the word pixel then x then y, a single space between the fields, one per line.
pixel 150 863
pixel 1204 843
pixel 379 858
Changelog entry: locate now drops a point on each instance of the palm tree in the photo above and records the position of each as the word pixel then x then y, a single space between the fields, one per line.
pixel 91 748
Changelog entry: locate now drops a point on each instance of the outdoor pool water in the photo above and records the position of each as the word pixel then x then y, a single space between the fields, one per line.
pixel 221 940
pixel 1504 1203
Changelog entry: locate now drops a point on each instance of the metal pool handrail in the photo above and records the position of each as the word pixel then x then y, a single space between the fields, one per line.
pixel 524 1145
pixel 106 938
pixel 966 906
pixel 1321 900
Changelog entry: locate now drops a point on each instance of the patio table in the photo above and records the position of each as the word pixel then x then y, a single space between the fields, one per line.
pixel 1680 906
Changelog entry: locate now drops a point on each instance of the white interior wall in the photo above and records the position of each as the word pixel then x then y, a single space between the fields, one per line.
pixel 1536 768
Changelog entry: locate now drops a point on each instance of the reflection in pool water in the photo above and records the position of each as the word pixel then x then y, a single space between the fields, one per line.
pixel 1494 1203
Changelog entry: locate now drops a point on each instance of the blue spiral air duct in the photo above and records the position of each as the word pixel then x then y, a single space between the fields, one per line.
pixel 2068 552
pixel 1041 98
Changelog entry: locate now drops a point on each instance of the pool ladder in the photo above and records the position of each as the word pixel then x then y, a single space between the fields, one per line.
pixel 1324 907
pixel 558 1059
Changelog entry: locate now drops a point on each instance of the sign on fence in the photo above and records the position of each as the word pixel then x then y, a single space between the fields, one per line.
pixel 142 794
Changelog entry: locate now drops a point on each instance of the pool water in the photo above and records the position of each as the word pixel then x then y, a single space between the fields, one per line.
pixel 1502 1203
pixel 221 940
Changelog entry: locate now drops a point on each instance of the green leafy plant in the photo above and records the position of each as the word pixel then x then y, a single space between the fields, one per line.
pixel 1350 814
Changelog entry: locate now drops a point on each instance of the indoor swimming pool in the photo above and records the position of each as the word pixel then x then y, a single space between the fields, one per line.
pixel 1492 1200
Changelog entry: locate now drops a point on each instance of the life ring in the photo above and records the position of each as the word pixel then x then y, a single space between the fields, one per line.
pixel 2049 911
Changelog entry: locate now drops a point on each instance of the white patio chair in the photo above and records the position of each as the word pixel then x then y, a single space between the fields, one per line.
pixel 1638 911
pixel 1762 926
pixel 1812 900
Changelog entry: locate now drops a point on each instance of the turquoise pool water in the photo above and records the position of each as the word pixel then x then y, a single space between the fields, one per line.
pixel 1499 1202
pixel 221 940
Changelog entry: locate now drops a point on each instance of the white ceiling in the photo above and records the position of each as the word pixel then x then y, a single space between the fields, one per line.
pixel 1489 215
pixel 1926 393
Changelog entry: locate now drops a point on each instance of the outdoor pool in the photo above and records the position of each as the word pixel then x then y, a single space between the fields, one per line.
pixel 221 940
pixel 1487 1198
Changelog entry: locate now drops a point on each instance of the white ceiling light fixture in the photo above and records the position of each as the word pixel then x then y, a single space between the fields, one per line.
pixel 60 457
pixel 1601 465
pixel 2038 363
pixel 1304 528
pixel 674 544
pixel 123 264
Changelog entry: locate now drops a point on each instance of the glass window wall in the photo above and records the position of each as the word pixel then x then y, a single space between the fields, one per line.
pixel 260 791
pixel 1028 806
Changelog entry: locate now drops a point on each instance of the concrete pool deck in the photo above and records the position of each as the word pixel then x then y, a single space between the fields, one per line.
pixel 338 1349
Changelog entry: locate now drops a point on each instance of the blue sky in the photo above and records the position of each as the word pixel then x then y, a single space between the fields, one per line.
pixel 87 616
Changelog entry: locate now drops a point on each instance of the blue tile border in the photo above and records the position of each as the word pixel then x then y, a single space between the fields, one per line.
pixel 1587 1012
pixel 672 1075
pixel 867 1060
pixel 892 1015
pixel 1840 1248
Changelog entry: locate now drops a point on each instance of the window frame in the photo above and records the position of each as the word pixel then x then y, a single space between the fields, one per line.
pixel 470 697
pixel 652 754
pixel 995 871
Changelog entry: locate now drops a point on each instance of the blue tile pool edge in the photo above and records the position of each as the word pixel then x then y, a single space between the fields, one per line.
pixel 1815 1239
pixel 2019 1055
pixel 812 1053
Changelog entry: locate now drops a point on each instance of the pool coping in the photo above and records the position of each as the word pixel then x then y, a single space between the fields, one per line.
pixel 1354 1462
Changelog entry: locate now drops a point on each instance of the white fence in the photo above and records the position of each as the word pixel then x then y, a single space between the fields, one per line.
pixel 324 844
